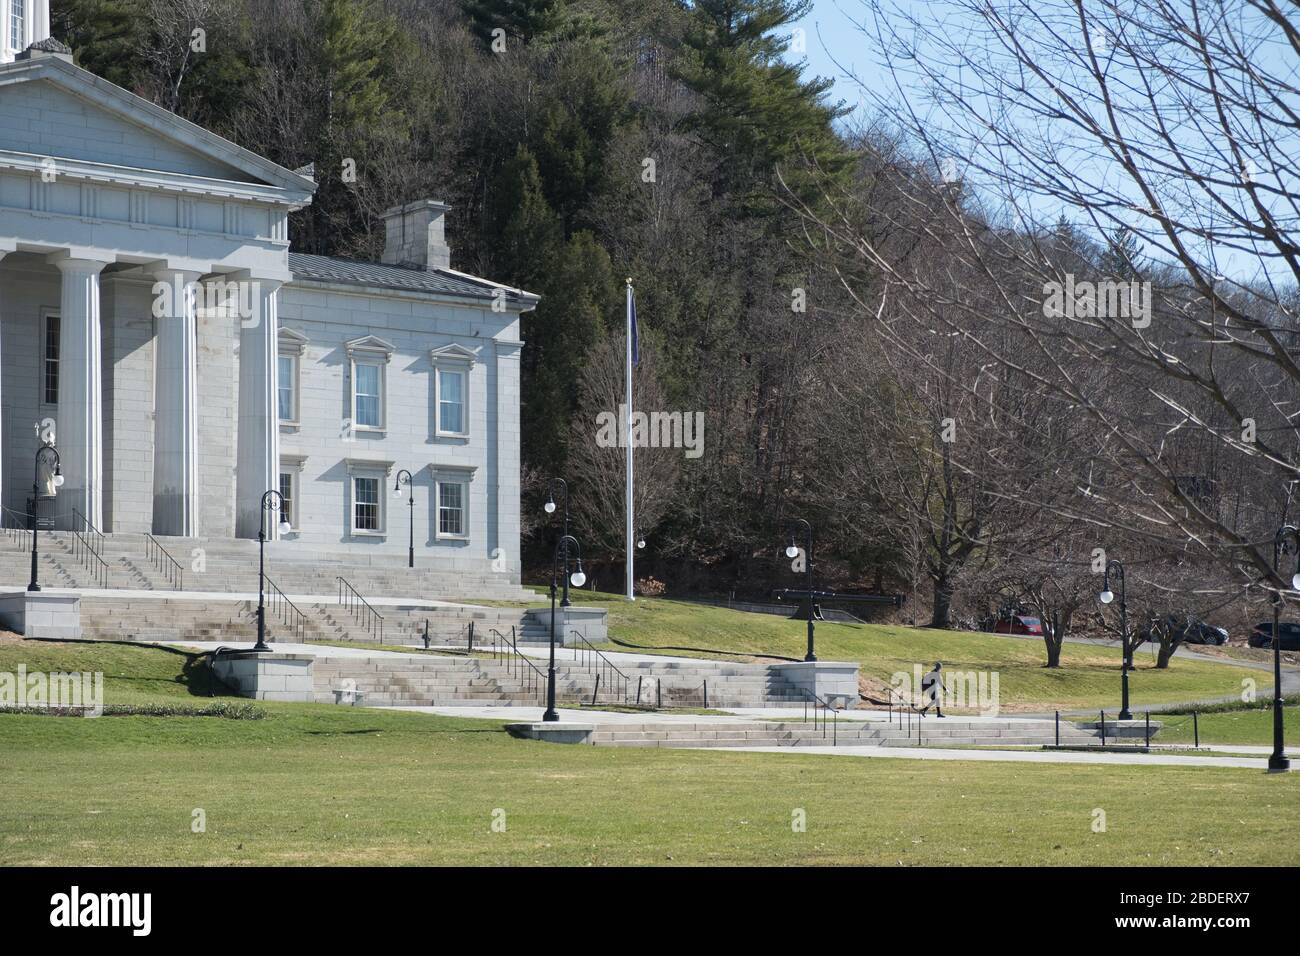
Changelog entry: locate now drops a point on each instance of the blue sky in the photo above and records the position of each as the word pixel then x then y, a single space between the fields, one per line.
pixel 835 46
pixel 832 37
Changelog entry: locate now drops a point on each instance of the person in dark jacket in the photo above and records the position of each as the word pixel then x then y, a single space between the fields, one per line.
pixel 932 689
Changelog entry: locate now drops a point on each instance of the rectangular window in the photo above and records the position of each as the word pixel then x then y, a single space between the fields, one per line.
pixel 368 394
pixel 365 504
pixel 287 388
pixel 451 509
pixel 51 385
pixel 286 492
pixel 451 402
pixel 18 24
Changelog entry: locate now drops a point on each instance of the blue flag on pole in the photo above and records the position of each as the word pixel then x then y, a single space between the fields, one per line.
pixel 631 312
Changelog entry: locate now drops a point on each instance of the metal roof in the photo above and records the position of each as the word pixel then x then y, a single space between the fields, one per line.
pixel 377 275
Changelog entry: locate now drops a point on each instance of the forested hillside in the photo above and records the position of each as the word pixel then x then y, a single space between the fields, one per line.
pixel 858 306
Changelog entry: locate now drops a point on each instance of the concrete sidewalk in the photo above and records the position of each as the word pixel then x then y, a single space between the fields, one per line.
pixel 1113 758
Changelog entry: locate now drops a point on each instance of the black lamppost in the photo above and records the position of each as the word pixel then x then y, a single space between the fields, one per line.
pixel 271 501
pixel 549 507
pixel 579 579
pixel 404 478
pixel 793 552
pixel 1286 541
pixel 49 455
pixel 1106 597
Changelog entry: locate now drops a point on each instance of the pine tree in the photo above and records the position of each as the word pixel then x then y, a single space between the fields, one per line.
pixel 759 113
pixel 108 37
pixel 524 20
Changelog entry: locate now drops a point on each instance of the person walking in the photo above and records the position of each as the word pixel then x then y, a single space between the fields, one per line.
pixel 932 689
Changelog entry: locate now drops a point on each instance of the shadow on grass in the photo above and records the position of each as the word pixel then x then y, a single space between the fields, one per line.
pixel 195 674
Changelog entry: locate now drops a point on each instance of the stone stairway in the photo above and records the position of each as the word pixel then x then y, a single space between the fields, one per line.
pixel 702 683
pixel 56 565
pixel 230 565
pixel 163 618
pixel 434 680
pixel 948 732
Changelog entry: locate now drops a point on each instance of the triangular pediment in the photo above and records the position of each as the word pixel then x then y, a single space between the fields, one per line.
pixel 69 113
pixel 453 353
pixel 370 343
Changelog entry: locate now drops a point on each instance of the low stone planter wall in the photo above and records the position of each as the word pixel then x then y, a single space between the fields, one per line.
pixel 589 622
pixel 49 614
pixel 267 676
pixel 835 682
pixel 558 732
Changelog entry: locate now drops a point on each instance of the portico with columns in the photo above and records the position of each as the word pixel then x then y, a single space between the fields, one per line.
pixel 149 303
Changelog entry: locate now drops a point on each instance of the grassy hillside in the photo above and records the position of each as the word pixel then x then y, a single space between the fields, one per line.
pixel 1088 678
pixel 316 784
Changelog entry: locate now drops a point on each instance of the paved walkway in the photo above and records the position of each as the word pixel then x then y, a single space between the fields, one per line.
pixel 1111 757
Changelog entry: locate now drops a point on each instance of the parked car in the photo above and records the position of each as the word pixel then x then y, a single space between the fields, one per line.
pixel 1261 635
pixel 1018 624
pixel 1194 630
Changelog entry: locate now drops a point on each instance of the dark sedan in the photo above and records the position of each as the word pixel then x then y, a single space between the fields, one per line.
pixel 1261 635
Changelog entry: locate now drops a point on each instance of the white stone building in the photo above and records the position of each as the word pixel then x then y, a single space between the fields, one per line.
pixel 152 314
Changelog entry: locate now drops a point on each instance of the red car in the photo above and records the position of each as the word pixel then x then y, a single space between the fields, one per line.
pixel 1018 624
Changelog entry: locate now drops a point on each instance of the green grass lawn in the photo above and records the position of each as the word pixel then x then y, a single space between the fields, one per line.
pixel 316 784
pixel 1088 678
pixel 1234 727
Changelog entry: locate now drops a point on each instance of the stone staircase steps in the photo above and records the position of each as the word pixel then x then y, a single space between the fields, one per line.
pixel 846 734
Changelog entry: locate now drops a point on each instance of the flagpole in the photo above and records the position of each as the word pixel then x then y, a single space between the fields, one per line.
pixel 631 545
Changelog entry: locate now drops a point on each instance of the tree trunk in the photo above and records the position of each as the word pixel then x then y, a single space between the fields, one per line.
pixel 1053 638
pixel 942 602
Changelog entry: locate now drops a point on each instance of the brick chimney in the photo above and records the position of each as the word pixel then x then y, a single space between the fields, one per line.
pixel 414 236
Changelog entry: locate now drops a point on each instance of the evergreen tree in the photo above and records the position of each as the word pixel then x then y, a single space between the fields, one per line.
pixel 524 20
pixel 108 37
pixel 759 113
pixel 353 117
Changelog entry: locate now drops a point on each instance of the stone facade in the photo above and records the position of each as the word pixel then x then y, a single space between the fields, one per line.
pixel 149 306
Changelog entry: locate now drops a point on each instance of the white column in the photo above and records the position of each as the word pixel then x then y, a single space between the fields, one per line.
pixel 5 249
pixel 259 428
pixel 505 488
pixel 79 432
pixel 175 429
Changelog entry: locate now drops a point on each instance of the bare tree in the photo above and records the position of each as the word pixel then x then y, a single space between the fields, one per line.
pixel 1121 178
pixel 597 460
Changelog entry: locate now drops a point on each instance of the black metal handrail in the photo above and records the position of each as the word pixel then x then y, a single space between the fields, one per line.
pixel 606 671
pixel 365 615
pixel 166 565
pixel 828 714
pixel 903 708
pixel 527 674
pixel 93 534
pixel 88 547
pixel 15 524
pixel 288 612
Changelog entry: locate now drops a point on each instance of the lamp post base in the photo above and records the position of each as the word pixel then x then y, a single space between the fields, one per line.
pixel 1277 764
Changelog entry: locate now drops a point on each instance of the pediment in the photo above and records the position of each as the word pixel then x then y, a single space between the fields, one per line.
pixel 51 108
pixel 453 353
pixel 371 344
